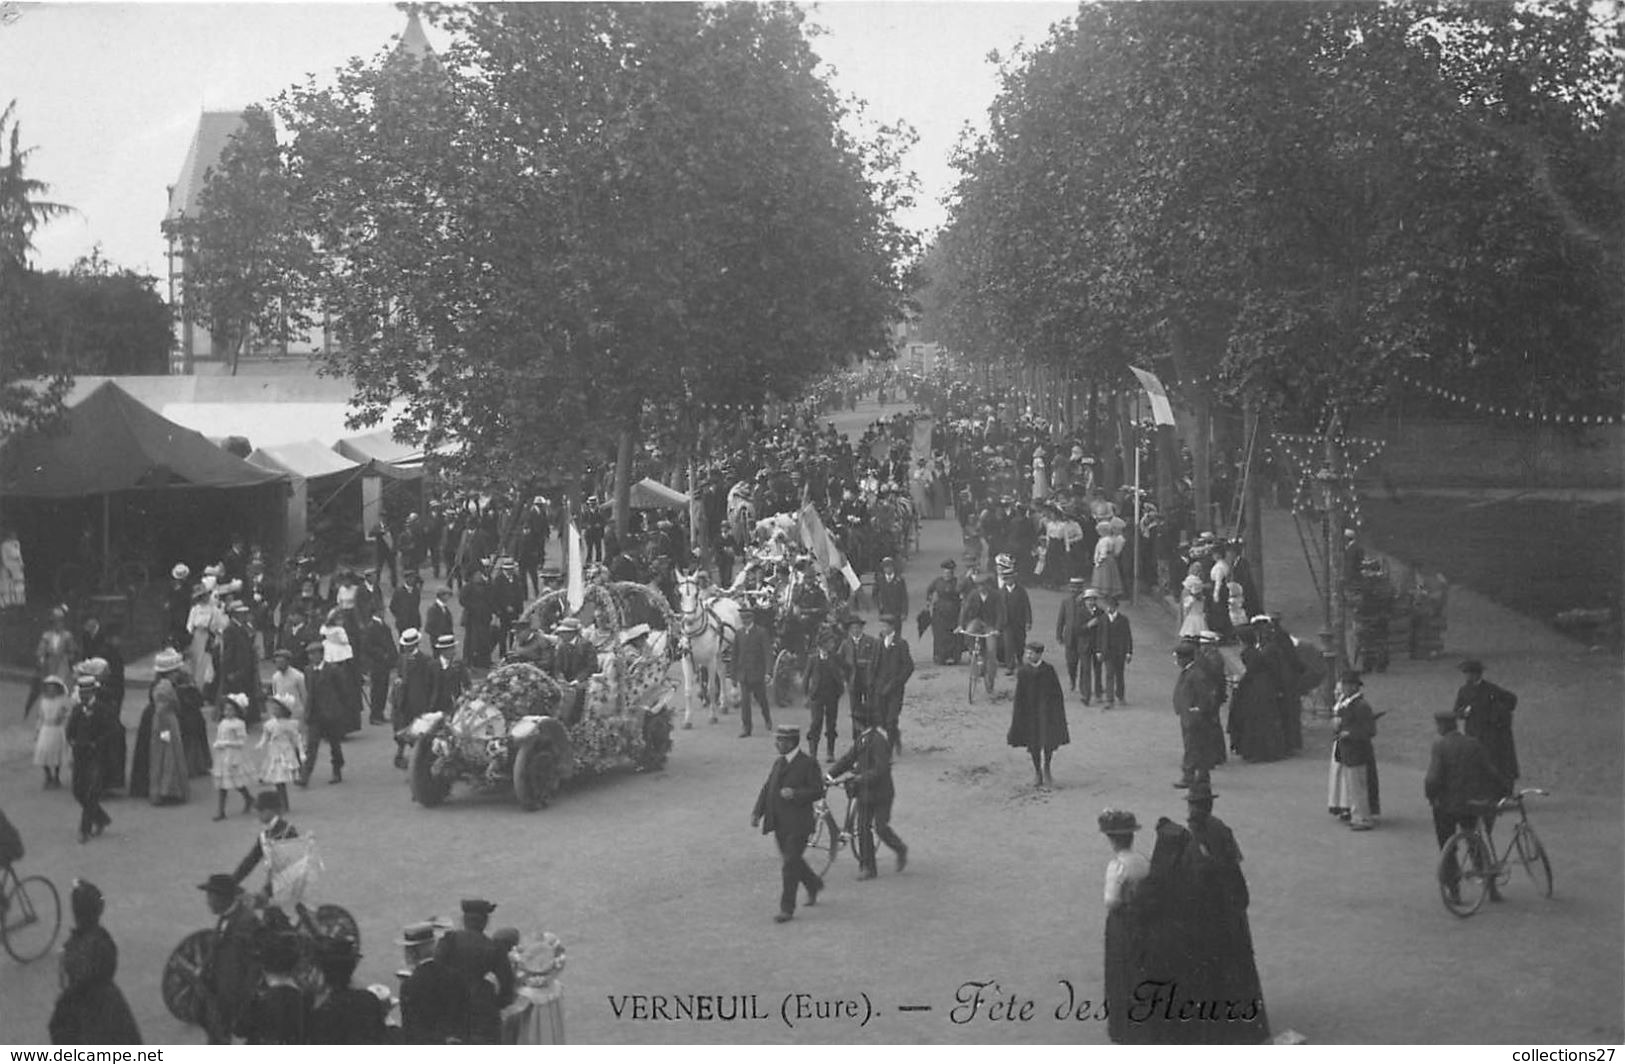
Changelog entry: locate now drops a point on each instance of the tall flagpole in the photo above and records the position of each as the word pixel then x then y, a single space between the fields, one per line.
pixel 1134 588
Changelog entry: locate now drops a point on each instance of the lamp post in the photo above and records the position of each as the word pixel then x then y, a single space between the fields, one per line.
pixel 1326 484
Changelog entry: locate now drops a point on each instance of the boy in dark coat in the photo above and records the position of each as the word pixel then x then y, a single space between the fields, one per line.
pixel 1038 713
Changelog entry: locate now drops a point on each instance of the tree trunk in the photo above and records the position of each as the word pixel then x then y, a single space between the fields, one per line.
pixel 1092 419
pixel 624 450
pixel 1253 497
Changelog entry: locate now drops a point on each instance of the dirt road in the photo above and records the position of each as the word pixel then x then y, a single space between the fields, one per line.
pixel 658 885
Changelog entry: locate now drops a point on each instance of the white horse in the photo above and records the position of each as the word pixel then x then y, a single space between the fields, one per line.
pixel 710 629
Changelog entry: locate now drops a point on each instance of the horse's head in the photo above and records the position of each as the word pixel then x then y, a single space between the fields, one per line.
pixel 688 590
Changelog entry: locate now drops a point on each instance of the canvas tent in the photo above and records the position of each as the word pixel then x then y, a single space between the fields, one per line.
pixel 112 442
pixel 319 475
pixel 157 491
pixel 648 494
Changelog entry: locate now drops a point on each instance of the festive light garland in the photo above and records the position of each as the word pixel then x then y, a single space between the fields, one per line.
pixel 1308 455
pixel 1503 410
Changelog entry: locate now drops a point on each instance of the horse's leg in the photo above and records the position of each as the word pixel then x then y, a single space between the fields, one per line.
pixel 688 690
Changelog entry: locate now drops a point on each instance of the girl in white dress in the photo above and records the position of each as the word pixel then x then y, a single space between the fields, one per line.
pixel 230 763
pixel 280 741
pixel 51 745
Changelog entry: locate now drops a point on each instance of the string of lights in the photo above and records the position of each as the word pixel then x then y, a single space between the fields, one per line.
pixel 1509 411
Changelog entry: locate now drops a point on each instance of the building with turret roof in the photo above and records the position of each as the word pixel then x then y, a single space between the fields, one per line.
pixel 196 350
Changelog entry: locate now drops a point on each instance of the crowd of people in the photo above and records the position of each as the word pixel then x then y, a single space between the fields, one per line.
pixel 1035 508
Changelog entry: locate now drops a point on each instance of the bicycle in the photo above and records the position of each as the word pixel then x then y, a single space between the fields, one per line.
pixel 1468 864
pixel 829 837
pixel 984 664
pixel 30 915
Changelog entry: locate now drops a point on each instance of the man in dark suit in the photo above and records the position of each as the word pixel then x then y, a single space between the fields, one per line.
pixel 857 655
pixel 869 761
pixel 891 594
pixel 753 660
pixel 1112 644
pixel 784 809
pixel 450 675
pixel 178 606
pixel 230 972
pixel 434 998
pixel 1461 781
pixel 1486 715
pixel 1069 632
pixel 414 690
pixel 406 604
pixel 894 664
pixel 437 621
pixel 508 599
pixel 325 716
pixel 378 659
pixel 478 604
pixel 1196 704
pixel 472 955
pixel 1018 616
pixel 239 664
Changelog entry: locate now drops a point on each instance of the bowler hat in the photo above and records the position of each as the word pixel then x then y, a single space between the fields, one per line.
pixel 1472 665
pixel 1200 791
pixel 220 883
pixel 478 907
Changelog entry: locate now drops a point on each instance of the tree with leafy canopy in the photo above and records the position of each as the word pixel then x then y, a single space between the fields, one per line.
pixel 588 220
pixel 31 386
pixel 99 318
pixel 246 252
pixel 1294 201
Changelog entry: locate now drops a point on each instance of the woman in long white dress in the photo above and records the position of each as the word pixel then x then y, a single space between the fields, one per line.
pixel 1192 606
pixel 1108 576
pixel 201 623
pixel 13 583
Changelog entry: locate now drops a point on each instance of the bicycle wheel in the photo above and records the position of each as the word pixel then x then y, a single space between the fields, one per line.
pixel 1533 856
pixel 825 844
pixel 33 916
pixel 975 665
pixel 1462 882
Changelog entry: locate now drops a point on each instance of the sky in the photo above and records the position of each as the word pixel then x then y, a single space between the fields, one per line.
pixel 109 93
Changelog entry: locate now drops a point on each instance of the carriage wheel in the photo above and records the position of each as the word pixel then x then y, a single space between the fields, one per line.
pixel 427 790
pixel 784 678
pixel 534 779
pixel 182 975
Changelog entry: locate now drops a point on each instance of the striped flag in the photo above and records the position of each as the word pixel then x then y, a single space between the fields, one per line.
pixel 1162 411
pixel 575 588
pixel 825 553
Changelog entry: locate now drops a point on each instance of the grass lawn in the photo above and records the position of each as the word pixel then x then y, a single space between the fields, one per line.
pixel 1537 557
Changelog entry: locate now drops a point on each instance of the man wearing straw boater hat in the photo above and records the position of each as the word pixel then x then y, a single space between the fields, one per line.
pixel 784 809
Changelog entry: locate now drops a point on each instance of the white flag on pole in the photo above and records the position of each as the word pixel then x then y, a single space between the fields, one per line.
pixel 576 585
pixel 1162 411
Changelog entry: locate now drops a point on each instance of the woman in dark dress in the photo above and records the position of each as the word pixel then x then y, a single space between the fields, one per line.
pixel 91 1009
pixel 1255 712
pixel 943 597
